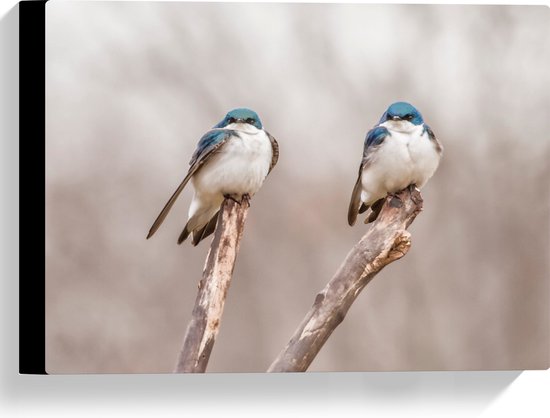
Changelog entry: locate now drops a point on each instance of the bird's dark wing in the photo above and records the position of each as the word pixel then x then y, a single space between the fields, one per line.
pixel 355 199
pixel 275 148
pixel 373 139
pixel 208 145
pixel 431 135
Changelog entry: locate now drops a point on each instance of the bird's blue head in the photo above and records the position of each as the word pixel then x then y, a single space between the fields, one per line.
pixel 241 115
pixel 402 111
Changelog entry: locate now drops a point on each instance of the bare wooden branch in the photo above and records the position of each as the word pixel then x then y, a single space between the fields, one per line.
pixel 384 242
pixel 216 278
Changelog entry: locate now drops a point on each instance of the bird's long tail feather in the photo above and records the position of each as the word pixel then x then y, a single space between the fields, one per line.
pixel 199 233
pixel 167 207
pixel 376 207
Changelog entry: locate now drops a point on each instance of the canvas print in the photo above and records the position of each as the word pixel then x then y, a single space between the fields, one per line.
pixel 286 187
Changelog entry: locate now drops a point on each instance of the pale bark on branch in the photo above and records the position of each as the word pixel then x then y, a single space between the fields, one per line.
pixel 216 278
pixel 385 241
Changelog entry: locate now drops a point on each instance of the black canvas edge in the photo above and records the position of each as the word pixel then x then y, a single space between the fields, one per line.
pixel 32 145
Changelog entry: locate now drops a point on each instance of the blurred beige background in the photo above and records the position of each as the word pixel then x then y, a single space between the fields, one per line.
pixel 131 87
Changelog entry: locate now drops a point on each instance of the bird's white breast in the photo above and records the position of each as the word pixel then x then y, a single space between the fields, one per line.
pixel 425 159
pixel 407 156
pixel 239 167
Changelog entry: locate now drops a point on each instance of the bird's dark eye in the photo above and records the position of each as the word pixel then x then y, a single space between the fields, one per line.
pixel 409 117
pixel 231 120
pixel 250 120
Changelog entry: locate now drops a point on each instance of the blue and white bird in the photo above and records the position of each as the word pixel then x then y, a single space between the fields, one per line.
pixel 399 152
pixel 231 161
